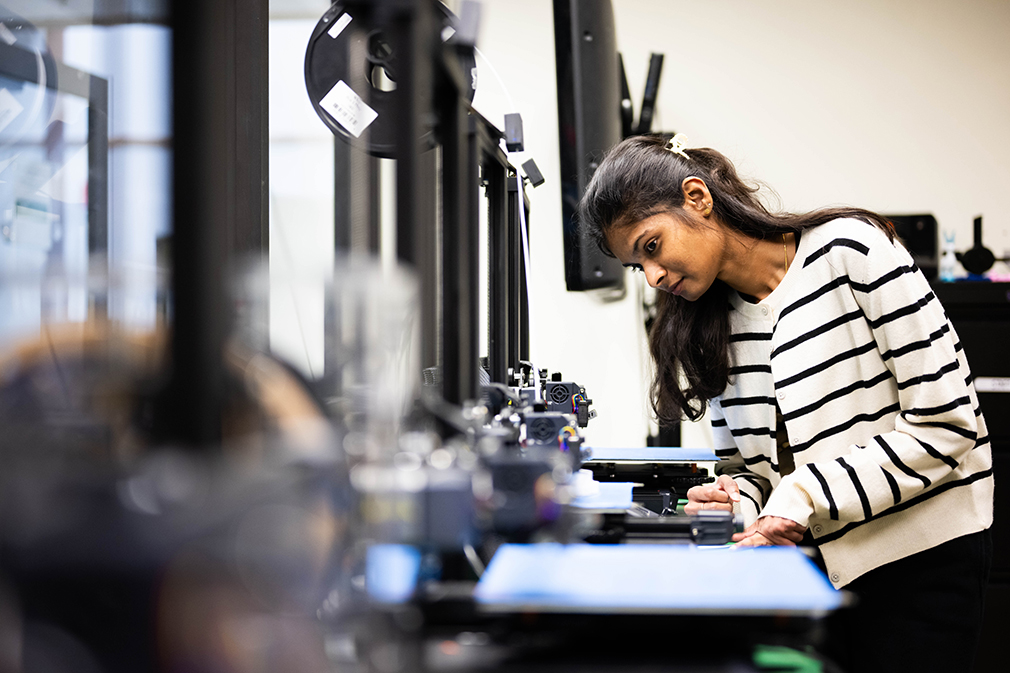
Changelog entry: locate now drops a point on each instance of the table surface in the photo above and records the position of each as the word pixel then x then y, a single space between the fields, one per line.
pixel 671 579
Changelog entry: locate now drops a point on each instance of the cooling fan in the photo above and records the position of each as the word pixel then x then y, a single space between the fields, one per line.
pixel 544 430
pixel 559 394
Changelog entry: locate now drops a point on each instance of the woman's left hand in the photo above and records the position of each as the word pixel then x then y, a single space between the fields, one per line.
pixel 771 530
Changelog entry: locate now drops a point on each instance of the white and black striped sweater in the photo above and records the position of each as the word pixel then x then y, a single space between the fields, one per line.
pixel 891 451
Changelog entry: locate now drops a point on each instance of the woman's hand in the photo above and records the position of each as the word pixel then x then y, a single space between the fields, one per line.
pixel 718 496
pixel 771 530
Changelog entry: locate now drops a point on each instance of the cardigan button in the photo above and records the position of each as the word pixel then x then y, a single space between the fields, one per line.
pixel 781 395
pixel 835 577
pixel 764 310
pixel 818 529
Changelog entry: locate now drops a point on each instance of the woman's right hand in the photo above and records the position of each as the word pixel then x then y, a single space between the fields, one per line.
pixel 718 496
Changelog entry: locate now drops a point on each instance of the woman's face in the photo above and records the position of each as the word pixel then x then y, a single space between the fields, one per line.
pixel 680 251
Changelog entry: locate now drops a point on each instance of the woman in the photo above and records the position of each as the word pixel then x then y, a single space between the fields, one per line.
pixel 840 398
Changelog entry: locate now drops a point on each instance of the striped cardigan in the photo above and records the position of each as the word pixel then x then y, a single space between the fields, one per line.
pixel 891 451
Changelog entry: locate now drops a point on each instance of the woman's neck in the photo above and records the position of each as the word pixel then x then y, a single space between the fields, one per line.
pixel 755 267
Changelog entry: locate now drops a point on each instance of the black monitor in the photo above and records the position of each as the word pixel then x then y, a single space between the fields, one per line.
pixel 589 123
pixel 53 173
pixel 49 112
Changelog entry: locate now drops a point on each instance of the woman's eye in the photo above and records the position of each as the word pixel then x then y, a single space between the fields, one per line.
pixel 650 247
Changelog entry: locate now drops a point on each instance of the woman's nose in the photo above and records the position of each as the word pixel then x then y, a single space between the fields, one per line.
pixel 655 274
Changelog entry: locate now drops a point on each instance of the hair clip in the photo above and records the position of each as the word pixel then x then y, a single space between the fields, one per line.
pixel 676 145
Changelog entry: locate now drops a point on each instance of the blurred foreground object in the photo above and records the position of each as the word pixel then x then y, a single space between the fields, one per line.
pixel 122 553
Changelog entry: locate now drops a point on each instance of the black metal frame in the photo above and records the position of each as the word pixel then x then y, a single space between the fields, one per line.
pixel 98 165
pixel 442 159
pixel 219 56
pixel 356 200
pixel 459 134
pixel 508 304
pixel 502 265
pixel 519 300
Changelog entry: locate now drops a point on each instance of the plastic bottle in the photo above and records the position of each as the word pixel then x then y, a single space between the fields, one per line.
pixel 948 258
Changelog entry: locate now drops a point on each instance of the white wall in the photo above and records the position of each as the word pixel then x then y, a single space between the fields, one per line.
pixel 301 197
pixel 897 106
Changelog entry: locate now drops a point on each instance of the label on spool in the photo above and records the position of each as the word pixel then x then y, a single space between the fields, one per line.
pixel 347 108
pixel 339 25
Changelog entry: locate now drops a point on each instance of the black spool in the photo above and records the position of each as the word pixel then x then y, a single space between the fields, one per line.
pixel 366 59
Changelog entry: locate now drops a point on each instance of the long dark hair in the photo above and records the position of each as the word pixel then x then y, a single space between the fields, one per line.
pixel 689 341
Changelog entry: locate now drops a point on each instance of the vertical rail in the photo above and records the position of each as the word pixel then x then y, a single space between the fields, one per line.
pixel 459 251
pixel 219 113
pixel 500 271
pixel 522 323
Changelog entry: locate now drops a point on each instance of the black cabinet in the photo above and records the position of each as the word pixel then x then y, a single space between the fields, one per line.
pixel 980 313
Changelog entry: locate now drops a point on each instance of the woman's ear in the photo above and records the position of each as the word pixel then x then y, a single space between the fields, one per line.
pixel 696 195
